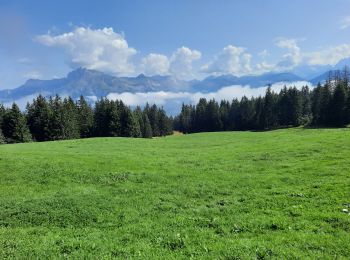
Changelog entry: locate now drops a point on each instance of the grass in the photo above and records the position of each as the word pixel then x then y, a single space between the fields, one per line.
pixel 230 195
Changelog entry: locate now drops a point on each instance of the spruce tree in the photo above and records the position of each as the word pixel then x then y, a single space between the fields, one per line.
pixel 316 104
pixel 338 106
pixel 147 129
pixel 69 117
pixel 129 125
pixel 85 118
pixel 15 128
pixel 2 138
pixel 269 113
pixel 38 118
pixel 56 124
pixel 139 120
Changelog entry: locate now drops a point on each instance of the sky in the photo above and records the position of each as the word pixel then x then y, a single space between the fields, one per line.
pixel 184 38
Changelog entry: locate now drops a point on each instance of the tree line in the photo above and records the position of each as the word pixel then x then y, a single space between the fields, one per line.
pixel 326 105
pixel 58 119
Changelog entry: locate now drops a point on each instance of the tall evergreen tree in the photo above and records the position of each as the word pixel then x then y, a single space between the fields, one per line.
pixel 316 97
pixel 129 126
pixel 306 113
pixel 85 117
pixel 338 106
pixel 139 120
pixel 69 117
pixel 15 128
pixel 56 124
pixel 2 138
pixel 147 128
pixel 325 102
pixel 269 113
pixel 38 118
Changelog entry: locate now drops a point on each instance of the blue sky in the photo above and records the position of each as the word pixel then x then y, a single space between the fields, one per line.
pixel 188 39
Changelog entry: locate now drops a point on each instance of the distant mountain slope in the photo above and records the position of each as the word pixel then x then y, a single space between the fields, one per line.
pixel 215 83
pixel 93 83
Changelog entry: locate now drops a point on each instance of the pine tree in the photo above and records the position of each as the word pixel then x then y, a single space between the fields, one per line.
pixel 201 116
pixel 325 101
pixel 225 114
pixel 154 120
pixel 269 113
pixel 316 104
pixel 338 106
pixel 38 118
pixel 165 125
pixel 213 116
pixel 2 113
pixel 129 125
pixel 15 128
pixel 56 125
pixel 245 114
pixel 85 117
pixel 2 138
pixel 69 121
pixel 113 118
pixel 295 107
pixel 147 129
pixel 139 120
pixel 306 113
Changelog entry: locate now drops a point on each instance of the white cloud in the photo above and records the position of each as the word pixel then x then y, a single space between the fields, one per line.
pixel 231 60
pixel 227 93
pixel 345 23
pixel 100 49
pixel 293 57
pixel 263 54
pixel 181 62
pixel 155 64
pixel 331 55
pixel 33 74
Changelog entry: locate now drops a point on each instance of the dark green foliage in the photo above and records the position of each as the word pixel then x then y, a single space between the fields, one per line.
pixel 129 126
pixel 38 117
pixel 14 126
pixel 58 119
pixel 85 116
pixel 269 115
pixel 327 105
pixel 338 106
pixel 147 129
pixel 2 137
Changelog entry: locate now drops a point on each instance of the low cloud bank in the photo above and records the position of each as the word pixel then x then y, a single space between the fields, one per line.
pixel 172 100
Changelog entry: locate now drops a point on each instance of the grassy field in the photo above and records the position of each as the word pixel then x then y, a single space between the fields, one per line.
pixel 230 195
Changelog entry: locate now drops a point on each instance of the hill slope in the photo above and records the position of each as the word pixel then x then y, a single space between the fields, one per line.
pixel 215 195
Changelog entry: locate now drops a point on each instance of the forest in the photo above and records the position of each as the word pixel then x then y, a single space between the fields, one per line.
pixel 326 105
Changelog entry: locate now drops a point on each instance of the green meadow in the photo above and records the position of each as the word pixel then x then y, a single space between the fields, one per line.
pixel 232 195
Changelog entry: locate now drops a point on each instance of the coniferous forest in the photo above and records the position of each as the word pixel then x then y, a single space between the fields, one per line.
pixel 326 105
pixel 57 119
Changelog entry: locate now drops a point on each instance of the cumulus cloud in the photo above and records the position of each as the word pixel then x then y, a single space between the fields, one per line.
pixel 331 55
pixel 345 23
pixel 293 57
pixel 155 64
pixel 100 49
pixel 231 60
pixel 181 62
pixel 263 54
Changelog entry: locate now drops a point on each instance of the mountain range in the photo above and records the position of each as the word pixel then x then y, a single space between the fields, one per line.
pixel 95 84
